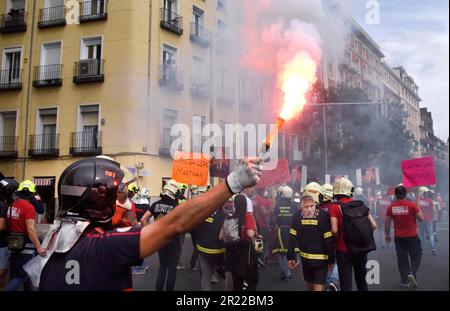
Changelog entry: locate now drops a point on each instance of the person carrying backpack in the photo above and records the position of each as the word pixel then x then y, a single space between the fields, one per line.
pixel 353 226
pixel 237 233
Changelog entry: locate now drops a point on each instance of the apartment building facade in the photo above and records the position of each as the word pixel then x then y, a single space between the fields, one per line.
pixel 83 78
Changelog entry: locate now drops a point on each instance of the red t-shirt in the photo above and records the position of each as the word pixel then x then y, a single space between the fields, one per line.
pixel 250 224
pixel 427 208
pixel 335 211
pixel 20 211
pixel 382 206
pixel 403 213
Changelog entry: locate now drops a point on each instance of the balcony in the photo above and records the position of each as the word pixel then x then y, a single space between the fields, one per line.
pixel 8 147
pixel 93 11
pixel 47 76
pixel 200 35
pixel 86 143
pixel 14 21
pixel 52 17
pixel 200 87
pixel 89 70
pixel 170 77
pixel 225 95
pixel 171 21
pixel 166 143
pixel 44 146
pixel 11 79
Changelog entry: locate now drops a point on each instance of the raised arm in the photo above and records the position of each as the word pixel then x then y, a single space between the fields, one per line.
pixel 191 213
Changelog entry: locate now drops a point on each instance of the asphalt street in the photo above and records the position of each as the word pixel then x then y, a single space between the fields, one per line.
pixel 433 274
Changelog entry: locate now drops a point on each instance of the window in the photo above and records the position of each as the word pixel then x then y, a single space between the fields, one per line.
pixel 198 67
pixel 8 131
pixel 88 126
pixel 222 5
pixel 12 58
pixel 170 118
pixel 198 123
pixel 15 5
pixel 93 7
pixel 46 129
pixel 169 57
pixel 171 6
pixel 197 18
pixel 91 48
pixel 53 10
pixel 50 61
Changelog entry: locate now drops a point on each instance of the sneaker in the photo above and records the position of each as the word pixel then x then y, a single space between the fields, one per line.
pixel 412 281
pixel 404 284
pixel 181 267
pixel 434 251
pixel 214 279
pixel 138 271
pixel 288 279
pixel 332 288
pixel 192 269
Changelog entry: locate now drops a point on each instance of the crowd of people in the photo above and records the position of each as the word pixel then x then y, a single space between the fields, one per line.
pixel 109 227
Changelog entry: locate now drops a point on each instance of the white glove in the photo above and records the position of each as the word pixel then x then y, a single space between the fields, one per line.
pixel 246 175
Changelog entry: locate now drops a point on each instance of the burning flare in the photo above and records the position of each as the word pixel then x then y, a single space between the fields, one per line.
pixel 298 76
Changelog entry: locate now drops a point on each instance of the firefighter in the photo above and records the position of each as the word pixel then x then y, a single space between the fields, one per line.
pixel 283 213
pixel 311 231
pixel 87 191
pixel 27 191
pixel 209 247
pixel 426 226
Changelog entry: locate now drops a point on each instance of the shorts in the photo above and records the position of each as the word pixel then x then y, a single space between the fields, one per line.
pixel 316 275
pixel 4 258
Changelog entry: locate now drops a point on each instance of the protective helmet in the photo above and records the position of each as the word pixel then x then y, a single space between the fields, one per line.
pixel 7 188
pixel 88 189
pixel 343 187
pixel 259 245
pixel 171 189
pixel 27 184
pixel 133 187
pixel 327 192
pixel 297 197
pixel 359 191
pixel 379 195
pixel 313 190
pixel 423 190
pixel 286 192
pixel 144 193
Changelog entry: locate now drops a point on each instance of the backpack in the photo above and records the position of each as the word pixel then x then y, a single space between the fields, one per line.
pixel 231 231
pixel 358 231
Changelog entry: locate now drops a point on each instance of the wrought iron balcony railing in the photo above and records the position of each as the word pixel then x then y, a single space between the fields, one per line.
pixel 200 35
pixel 14 21
pixel 171 21
pixel 171 77
pixel 47 76
pixel 200 87
pixel 44 146
pixel 87 143
pixel 8 147
pixel 51 17
pixel 93 11
pixel 89 70
pixel 11 79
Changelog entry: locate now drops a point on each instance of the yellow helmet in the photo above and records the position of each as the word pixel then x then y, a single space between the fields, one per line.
pixel 313 190
pixel 27 184
pixel 328 191
pixel 133 187
pixel 343 187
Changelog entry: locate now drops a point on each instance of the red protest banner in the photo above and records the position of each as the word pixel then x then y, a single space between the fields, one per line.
pixel 418 172
pixel 277 176
pixel 190 168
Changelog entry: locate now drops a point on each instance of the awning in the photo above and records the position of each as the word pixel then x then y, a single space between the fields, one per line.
pixel 42 182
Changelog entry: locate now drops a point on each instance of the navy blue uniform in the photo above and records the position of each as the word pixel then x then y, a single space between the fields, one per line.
pixel 104 261
pixel 168 255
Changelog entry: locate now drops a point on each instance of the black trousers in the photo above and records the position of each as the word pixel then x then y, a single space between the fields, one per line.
pixel 408 249
pixel 347 263
pixel 168 260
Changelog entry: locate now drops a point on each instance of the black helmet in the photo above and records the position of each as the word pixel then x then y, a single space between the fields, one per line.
pixel 88 189
pixel 7 188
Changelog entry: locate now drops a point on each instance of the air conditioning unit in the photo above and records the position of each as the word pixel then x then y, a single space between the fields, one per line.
pixel 84 68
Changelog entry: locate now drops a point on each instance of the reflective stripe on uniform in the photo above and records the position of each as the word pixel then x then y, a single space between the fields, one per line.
pixel 280 239
pixel 210 220
pixel 312 222
pixel 327 235
pixel 293 232
pixel 210 250
pixel 279 250
pixel 314 256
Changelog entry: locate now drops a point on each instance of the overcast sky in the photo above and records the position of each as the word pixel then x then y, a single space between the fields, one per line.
pixel 415 34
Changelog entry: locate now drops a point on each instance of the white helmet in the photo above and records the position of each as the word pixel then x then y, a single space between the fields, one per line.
pixel 286 192
pixel 171 189
pixel 422 190
pixel 144 193
pixel 313 190
pixel 328 191
pixel 359 191
pixel 343 187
